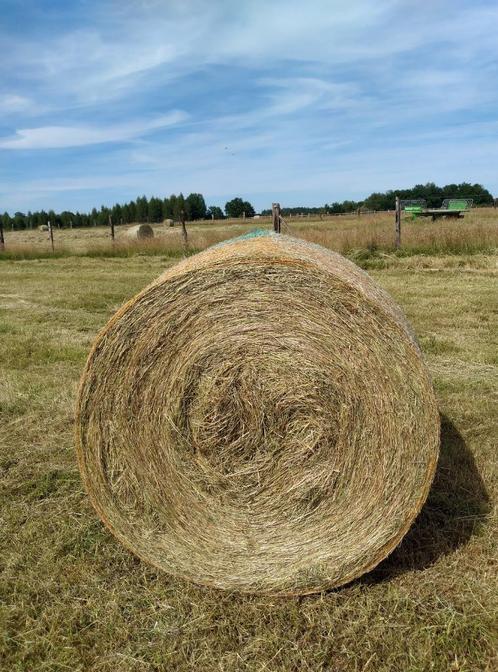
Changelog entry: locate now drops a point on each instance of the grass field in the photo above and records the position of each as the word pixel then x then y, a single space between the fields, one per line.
pixel 368 235
pixel 71 598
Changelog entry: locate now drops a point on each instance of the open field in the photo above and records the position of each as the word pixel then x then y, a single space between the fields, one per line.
pixel 71 598
pixel 348 234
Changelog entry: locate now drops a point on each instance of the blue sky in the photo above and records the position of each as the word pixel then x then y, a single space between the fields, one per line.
pixel 300 102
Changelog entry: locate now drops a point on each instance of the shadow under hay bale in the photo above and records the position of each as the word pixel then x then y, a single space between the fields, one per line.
pixel 259 419
pixel 140 232
pixel 456 508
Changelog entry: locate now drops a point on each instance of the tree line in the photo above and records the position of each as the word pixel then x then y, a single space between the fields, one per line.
pixel 433 194
pixel 193 207
pixel 332 208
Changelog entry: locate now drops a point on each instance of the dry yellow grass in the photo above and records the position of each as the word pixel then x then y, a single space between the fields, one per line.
pixel 347 234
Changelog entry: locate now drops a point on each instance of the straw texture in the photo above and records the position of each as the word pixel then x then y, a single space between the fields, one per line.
pixel 259 418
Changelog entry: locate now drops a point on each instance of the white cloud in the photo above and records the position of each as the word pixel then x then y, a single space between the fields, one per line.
pixel 130 42
pixel 11 102
pixel 79 183
pixel 216 174
pixel 51 137
pixel 127 47
pixel 290 94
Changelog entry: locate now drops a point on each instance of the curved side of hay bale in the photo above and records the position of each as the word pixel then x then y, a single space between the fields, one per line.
pixel 140 232
pixel 259 418
pixel 43 227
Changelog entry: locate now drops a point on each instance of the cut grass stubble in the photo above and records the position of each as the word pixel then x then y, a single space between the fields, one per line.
pixel 71 597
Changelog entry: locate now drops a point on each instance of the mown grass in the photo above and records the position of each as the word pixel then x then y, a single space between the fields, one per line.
pixel 72 598
pixel 24 252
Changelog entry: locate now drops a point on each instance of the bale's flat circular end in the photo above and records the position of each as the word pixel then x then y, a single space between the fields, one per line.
pixel 258 419
pixel 140 232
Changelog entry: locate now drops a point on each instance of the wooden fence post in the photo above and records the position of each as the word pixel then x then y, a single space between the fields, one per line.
pixel 111 224
pixel 398 222
pixel 2 239
pixel 51 234
pixel 184 230
pixel 275 216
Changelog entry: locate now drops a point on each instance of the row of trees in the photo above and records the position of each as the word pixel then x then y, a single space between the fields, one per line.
pixel 332 208
pixel 433 194
pixel 194 207
pixel 142 209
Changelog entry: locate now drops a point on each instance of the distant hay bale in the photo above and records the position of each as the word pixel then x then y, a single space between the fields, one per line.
pixel 140 232
pixel 169 222
pixel 43 227
pixel 259 419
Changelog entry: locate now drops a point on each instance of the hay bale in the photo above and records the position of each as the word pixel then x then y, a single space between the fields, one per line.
pixel 169 222
pixel 43 227
pixel 259 418
pixel 140 232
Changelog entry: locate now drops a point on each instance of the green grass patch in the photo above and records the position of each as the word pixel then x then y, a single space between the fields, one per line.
pixel 25 351
pixel 49 484
pixel 438 346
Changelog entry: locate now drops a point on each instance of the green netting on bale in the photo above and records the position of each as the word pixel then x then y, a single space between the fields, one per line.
pixel 255 233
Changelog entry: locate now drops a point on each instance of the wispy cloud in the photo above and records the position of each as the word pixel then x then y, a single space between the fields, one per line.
pixel 56 137
pixel 291 94
pixel 11 103
pixel 124 46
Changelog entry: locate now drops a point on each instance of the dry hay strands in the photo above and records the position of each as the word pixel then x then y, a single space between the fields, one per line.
pixel 140 232
pixel 260 419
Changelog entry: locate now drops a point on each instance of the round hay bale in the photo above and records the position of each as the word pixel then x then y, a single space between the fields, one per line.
pixel 43 227
pixel 169 222
pixel 259 419
pixel 140 232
